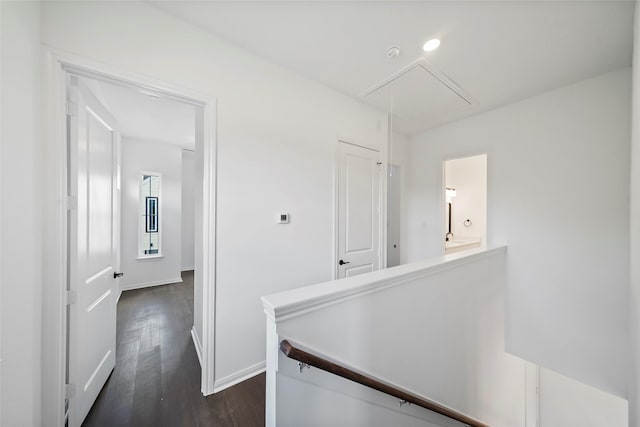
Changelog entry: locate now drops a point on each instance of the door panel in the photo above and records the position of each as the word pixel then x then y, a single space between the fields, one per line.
pixel 93 154
pixel 358 210
pixel 361 269
pixel 359 199
pixel 100 178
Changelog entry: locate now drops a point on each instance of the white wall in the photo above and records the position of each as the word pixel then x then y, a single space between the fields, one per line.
pixel 395 198
pixel 187 260
pixel 166 160
pixel 568 403
pixel 634 300
pixel 277 134
pixel 469 177
pixel 21 230
pixel 558 182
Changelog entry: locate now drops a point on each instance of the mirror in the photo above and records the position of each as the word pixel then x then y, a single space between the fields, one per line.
pixel 149 235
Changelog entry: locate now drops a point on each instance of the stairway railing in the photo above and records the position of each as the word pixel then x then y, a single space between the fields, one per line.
pixel 317 361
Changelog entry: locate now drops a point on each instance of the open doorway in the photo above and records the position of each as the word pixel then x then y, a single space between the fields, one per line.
pixel 131 151
pixel 465 193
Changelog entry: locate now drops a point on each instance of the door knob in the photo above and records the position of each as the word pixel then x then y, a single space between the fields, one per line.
pixel 341 262
pixel 116 275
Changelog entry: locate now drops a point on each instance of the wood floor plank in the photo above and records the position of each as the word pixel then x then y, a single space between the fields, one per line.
pixel 156 381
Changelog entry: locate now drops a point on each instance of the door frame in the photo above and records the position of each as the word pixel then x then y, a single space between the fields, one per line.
pixel 382 205
pixel 57 65
pixel 443 199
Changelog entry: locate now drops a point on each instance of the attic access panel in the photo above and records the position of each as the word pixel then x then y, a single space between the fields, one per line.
pixel 420 95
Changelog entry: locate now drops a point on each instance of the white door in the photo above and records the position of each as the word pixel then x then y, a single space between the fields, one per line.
pixel 93 246
pixel 358 210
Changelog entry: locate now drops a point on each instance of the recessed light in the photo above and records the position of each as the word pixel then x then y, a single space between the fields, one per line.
pixel 431 45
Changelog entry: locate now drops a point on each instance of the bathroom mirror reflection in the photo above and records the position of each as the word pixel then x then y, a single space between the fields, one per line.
pixel 149 234
pixel 465 193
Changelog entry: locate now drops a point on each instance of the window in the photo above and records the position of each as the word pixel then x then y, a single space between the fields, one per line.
pixel 150 230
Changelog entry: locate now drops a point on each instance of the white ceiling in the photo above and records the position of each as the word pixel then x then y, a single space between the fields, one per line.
pixel 141 116
pixel 497 52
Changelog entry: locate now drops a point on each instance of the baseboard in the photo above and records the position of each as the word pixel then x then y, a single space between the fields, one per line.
pixel 196 344
pixel 187 269
pixel 150 284
pixel 238 377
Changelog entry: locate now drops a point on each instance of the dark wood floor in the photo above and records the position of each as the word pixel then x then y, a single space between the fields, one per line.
pixel 156 381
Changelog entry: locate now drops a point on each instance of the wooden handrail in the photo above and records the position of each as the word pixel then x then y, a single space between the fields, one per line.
pixel 295 353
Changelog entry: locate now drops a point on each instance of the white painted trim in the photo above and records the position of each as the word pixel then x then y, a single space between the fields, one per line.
pixel 431 69
pixel 336 213
pixel 150 257
pixel 209 257
pixel 57 63
pixel 183 269
pixel 196 344
pixel 150 284
pixel 296 302
pixel 238 377
pixel 119 295
pixel 55 253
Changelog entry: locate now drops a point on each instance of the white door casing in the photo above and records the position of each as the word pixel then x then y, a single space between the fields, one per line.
pixel 93 246
pixel 56 322
pixel 358 206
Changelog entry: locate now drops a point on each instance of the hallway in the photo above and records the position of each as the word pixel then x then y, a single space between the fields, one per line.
pixel 156 381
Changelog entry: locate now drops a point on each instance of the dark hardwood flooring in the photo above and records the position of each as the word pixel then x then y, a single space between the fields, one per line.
pixel 156 381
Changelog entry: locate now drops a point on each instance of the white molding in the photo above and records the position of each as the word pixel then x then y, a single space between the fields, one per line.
pixel 296 302
pixel 238 377
pixel 182 269
pixel 150 284
pixel 431 69
pixel 209 233
pixel 196 344
pixel 57 64
pixel 55 254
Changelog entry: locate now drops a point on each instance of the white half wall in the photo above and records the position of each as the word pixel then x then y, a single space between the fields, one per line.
pixel 435 328
pixel 165 159
pixel 634 297
pixel 276 134
pixel 187 259
pixel 558 183
pixel 22 189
